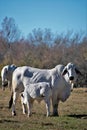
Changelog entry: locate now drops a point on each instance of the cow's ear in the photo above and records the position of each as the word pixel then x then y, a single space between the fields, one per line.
pixel 64 71
pixel 77 71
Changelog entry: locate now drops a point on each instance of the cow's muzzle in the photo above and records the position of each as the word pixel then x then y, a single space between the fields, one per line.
pixel 71 78
pixel 5 84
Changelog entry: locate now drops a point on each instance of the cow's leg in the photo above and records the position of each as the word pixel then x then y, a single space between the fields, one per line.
pixel 55 103
pixel 48 107
pixel 29 108
pixel 23 105
pixel 15 96
pixel 28 102
pixel 9 84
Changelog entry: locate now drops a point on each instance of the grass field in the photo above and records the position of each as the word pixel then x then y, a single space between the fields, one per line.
pixel 72 114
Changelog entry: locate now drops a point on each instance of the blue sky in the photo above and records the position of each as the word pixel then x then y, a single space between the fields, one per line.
pixel 57 15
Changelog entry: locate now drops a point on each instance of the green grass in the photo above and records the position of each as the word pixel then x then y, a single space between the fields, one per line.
pixel 72 114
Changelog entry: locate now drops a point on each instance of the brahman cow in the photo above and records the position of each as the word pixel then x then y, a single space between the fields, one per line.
pixel 37 91
pixel 6 75
pixel 60 79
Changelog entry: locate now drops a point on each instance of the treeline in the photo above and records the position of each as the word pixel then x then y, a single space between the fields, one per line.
pixel 41 48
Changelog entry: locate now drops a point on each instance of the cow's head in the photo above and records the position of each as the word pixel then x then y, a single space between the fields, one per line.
pixel 72 72
pixel 6 74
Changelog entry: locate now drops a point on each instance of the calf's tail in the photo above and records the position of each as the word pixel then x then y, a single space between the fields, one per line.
pixel 11 101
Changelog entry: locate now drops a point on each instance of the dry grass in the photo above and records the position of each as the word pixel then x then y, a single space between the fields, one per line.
pixel 73 114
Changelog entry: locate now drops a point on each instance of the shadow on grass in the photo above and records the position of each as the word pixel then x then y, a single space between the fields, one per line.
pixel 83 116
pixel 5 120
pixel 4 107
pixel 47 124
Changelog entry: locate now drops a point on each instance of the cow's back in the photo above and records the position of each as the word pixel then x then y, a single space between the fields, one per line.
pixel 17 78
pixel 26 74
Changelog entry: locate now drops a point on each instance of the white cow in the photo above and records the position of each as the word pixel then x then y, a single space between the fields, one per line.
pixel 37 91
pixel 60 79
pixel 6 75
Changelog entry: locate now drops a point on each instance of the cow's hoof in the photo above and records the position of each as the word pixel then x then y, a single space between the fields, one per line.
pixel 48 115
pixel 29 115
pixel 14 113
pixel 55 114
pixel 24 112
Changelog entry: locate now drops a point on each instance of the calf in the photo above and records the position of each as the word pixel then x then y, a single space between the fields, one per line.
pixel 37 91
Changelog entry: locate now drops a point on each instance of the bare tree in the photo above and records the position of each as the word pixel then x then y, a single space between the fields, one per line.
pixel 10 30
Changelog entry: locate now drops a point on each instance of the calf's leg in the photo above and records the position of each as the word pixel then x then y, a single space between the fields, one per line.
pixel 48 107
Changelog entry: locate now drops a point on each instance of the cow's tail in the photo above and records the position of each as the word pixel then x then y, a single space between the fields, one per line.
pixel 11 101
